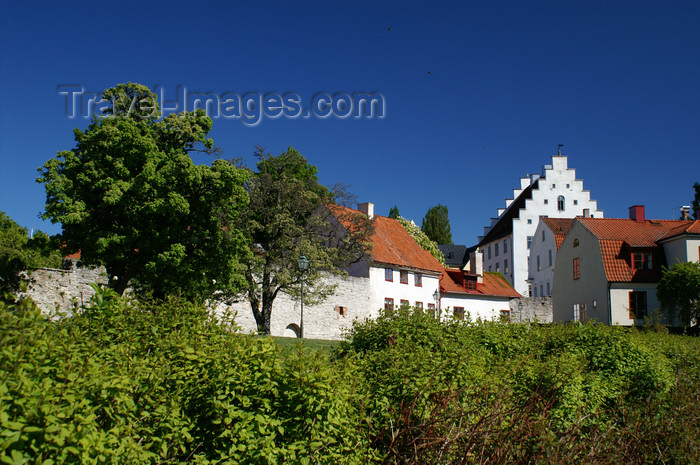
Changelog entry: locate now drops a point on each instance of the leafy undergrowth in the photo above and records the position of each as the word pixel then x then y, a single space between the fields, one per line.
pixel 141 382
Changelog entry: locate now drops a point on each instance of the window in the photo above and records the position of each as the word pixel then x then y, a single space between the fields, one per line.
pixel 342 311
pixel 505 266
pixel 505 315
pixel 388 304
pixel 419 306
pixel 538 263
pixel 560 203
pixel 568 186
pixel 549 253
pixel 489 268
pixel 505 245
pixel 549 290
pixel 529 242
pixel 554 186
pixel 431 309
pixel 404 303
pixel 641 261
pixel 529 289
pixel 546 201
pixel 638 304
pixel 543 235
pixel 583 311
pixel 495 246
pixel 535 291
pixel 388 274
pixel 576 312
pixel 529 221
pixel 418 279
pixel 575 202
pixel 459 313
pixel 541 290
pixel 577 268
pixel 489 252
pixel 470 284
pixel 575 242
pixel 403 276
pixel 497 267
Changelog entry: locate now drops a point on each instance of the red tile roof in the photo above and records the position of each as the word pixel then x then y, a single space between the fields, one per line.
pixel 494 284
pixel 560 227
pixel 393 245
pixel 616 235
pixel 692 228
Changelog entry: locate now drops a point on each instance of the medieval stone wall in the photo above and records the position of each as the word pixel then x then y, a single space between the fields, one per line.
pixel 52 289
pixel 530 309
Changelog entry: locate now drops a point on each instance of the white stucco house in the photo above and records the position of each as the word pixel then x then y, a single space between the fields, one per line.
pixel 608 269
pixel 548 237
pixel 507 241
pixel 475 294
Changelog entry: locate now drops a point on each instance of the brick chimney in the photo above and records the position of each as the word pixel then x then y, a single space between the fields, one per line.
pixel 637 213
pixel 367 208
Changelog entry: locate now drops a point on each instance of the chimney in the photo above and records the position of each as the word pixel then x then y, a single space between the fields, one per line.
pixel 367 208
pixel 685 212
pixel 637 213
pixel 476 265
pixel 586 212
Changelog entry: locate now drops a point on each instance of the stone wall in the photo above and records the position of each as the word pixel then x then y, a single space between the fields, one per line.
pixel 52 289
pixel 327 320
pixel 530 309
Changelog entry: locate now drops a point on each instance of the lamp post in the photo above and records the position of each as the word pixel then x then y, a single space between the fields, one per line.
pixel 303 264
pixel 436 296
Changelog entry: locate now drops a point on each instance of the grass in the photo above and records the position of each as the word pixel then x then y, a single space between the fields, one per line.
pixel 290 343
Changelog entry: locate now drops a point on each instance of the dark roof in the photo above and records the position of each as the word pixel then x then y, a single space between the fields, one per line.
pixel 504 225
pixel 455 255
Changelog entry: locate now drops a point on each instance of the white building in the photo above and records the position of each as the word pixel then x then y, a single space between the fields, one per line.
pixel 549 235
pixel 475 294
pixel 556 193
pixel 608 269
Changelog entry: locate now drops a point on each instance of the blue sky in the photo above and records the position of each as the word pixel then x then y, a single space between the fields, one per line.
pixel 618 83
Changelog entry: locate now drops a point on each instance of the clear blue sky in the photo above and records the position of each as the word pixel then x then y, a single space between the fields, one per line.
pixel 618 83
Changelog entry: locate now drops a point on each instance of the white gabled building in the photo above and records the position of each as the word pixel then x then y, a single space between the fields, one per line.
pixel 556 193
pixel 549 235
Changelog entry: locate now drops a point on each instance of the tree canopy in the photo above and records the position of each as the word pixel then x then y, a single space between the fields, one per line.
pixel 129 196
pixel 291 214
pixel 394 212
pixel 696 201
pixel 19 252
pixel 436 225
pixel 679 291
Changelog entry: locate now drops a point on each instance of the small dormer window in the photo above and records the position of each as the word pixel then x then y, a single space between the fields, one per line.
pixel 641 261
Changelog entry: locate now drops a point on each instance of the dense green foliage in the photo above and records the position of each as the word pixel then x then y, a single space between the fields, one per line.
pixel 394 212
pixel 679 292
pixel 136 383
pixel 436 225
pixel 487 392
pixel 422 239
pixel 696 201
pixel 129 197
pixel 19 253
pixel 289 216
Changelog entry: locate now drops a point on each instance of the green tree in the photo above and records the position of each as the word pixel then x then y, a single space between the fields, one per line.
pixel 696 201
pixel 436 225
pixel 291 214
pixel 679 291
pixel 394 212
pixel 422 239
pixel 19 253
pixel 129 196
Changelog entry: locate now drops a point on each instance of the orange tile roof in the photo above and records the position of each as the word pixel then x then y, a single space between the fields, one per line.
pixel 692 228
pixel 614 235
pixel 494 284
pixel 393 245
pixel 560 227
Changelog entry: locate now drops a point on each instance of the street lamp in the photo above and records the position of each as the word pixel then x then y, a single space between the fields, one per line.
pixel 436 296
pixel 303 264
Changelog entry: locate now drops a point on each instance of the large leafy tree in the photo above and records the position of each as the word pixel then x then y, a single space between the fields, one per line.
pixel 291 214
pixel 19 252
pixel 679 291
pixel 130 197
pixel 696 201
pixel 436 225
